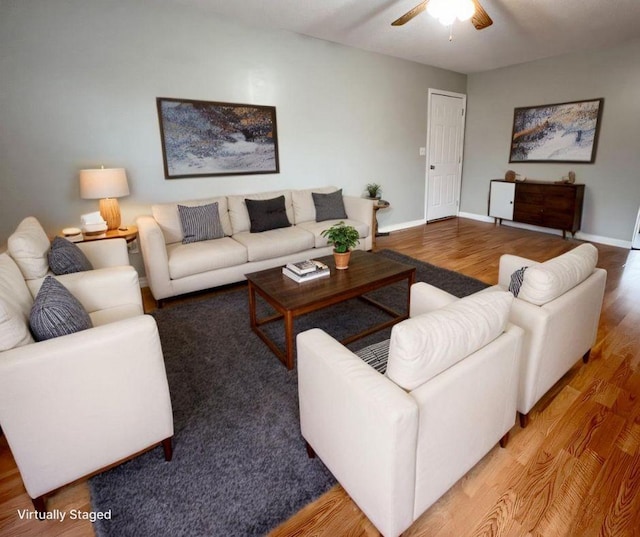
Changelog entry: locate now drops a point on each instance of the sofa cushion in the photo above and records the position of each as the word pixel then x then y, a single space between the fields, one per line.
pixel 304 209
pixel 56 312
pixel 267 214
pixel 239 215
pixel 275 243
pixel 14 331
pixel 13 288
pixel 546 281
pixel 200 223
pixel 425 345
pixel 168 218
pixel 329 206
pixel 316 229
pixel 198 257
pixel 65 257
pixel 29 246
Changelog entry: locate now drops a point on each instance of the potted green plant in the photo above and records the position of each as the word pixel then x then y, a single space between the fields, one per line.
pixel 374 190
pixel 343 238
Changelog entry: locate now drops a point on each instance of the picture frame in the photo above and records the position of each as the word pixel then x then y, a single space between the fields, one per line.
pixel 563 132
pixel 210 138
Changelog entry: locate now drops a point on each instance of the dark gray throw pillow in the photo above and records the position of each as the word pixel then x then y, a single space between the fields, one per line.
pixel 329 206
pixel 267 214
pixel 65 257
pixel 200 223
pixel 56 312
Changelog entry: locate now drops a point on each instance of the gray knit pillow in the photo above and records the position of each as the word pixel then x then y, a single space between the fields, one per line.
pixel 200 223
pixel 329 206
pixel 65 257
pixel 56 312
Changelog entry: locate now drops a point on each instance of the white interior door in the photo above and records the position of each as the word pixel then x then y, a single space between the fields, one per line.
pixel 444 158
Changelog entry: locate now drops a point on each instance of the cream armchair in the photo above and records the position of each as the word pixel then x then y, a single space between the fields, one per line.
pixel 397 441
pixel 75 404
pixel 559 310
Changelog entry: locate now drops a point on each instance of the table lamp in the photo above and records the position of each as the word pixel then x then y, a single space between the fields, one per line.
pixel 105 184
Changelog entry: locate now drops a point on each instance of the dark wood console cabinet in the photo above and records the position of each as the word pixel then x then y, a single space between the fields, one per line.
pixel 551 205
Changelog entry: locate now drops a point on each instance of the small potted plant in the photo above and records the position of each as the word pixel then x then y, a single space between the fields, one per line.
pixel 374 190
pixel 343 238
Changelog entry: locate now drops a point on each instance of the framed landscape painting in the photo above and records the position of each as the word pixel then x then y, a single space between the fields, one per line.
pixel 565 132
pixel 205 138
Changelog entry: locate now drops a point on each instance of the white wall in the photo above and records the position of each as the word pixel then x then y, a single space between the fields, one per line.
pixel 78 82
pixel 612 182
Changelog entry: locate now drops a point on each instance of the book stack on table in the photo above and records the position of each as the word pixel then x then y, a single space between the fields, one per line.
pixel 304 271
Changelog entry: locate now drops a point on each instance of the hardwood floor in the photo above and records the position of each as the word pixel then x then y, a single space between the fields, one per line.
pixel 574 471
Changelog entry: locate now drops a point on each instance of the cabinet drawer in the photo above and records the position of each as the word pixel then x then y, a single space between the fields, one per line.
pixel 528 213
pixel 558 220
pixel 529 195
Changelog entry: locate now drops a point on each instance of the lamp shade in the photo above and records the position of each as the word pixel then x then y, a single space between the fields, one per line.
pixel 103 183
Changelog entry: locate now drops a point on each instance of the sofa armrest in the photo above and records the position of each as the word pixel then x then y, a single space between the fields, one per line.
pixel 360 209
pixel 106 253
pixel 508 265
pixel 154 255
pixel 74 404
pixel 425 298
pixel 346 407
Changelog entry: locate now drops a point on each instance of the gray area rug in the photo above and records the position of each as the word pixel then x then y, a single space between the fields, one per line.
pixel 240 466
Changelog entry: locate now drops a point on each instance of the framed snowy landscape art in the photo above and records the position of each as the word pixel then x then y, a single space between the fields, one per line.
pixel 205 138
pixel 565 132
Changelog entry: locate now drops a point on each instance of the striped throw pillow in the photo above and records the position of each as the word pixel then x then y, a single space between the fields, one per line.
pixel 200 223
pixel 516 281
pixel 56 312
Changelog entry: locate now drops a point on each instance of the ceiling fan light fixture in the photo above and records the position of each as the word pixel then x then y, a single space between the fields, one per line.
pixel 447 11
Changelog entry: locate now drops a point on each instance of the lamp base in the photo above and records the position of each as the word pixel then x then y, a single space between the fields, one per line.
pixel 110 211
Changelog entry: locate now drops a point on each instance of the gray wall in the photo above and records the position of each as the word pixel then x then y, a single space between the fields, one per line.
pixel 612 182
pixel 78 82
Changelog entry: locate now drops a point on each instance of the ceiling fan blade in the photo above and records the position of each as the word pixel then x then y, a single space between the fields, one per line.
pixel 410 14
pixel 480 18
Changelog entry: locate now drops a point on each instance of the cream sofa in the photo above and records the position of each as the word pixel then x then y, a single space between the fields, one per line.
pixel 397 441
pixel 173 268
pixel 77 403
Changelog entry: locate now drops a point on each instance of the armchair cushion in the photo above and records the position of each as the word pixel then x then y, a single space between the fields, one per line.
pixel 56 312
pixel 425 345
pixel 65 257
pixel 28 246
pixel 13 327
pixel 546 281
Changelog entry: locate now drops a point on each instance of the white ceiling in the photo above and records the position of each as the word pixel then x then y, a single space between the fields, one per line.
pixel 522 30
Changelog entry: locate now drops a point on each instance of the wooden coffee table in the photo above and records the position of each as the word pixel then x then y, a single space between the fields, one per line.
pixel 366 273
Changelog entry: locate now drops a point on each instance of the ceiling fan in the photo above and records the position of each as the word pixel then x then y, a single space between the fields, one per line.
pixel 479 18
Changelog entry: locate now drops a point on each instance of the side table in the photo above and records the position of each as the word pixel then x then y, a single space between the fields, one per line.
pixel 382 204
pixel 129 234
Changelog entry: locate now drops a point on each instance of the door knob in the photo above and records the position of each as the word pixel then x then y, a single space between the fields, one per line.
pixel 432 167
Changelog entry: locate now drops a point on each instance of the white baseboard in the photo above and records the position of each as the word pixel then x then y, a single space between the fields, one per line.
pixel 472 216
pixel 403 225
pixel 143 281
pixel 579 235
